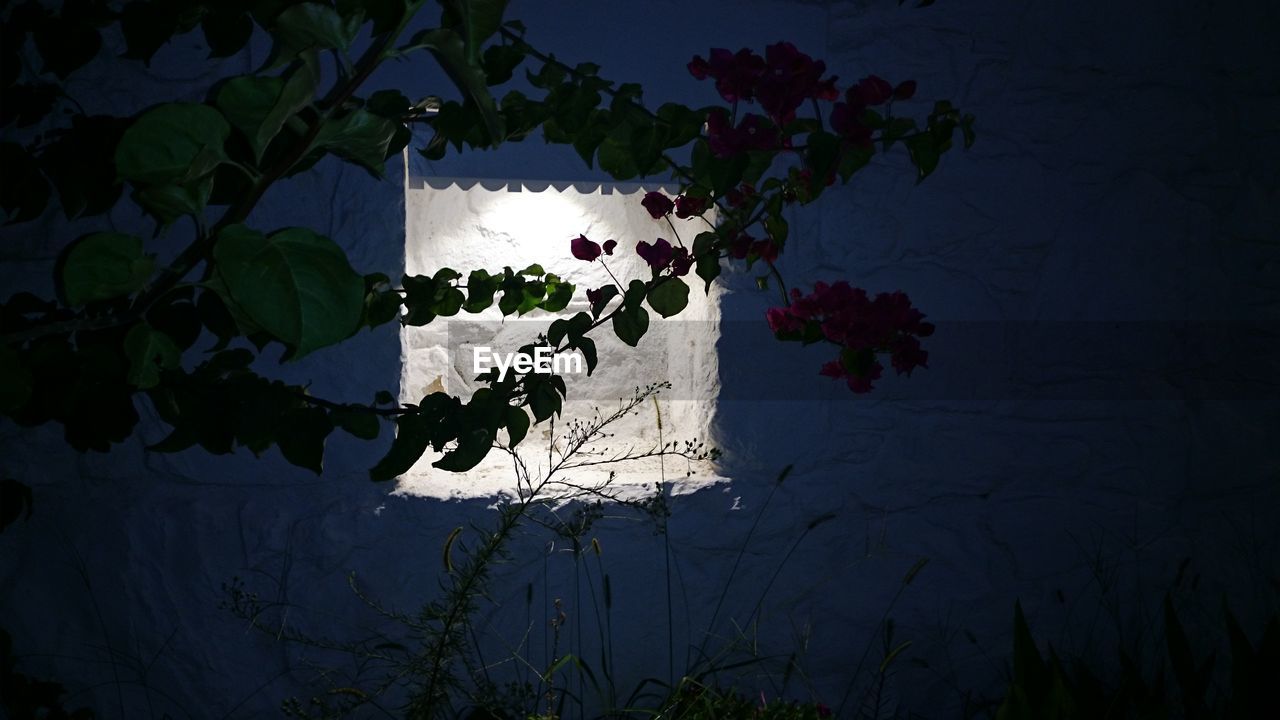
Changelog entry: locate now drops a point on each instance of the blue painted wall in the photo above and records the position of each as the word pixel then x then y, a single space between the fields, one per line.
pixel 1101 403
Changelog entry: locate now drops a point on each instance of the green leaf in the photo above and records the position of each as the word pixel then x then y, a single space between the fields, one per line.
pixel 226 31
pixel 450 51
pixel 146 27
pixel 669 297
pixel 297 285
pixel 357 421
pixel 172 143
pixel 517 421
pixel 480 289
pixel 533 292
pixel 480 20
pixel 103 266
pixel 607 293
pixel 169 202
pixel 587 347
pixel 1029 672
pixel 66 43
pixel 630 324
pixel 707 258
pixel 15 381
pixel 149 352
pixel 413 434
pixel 821 156
pixel 390 104
pixel 558 296
pixel 924 154
pixel 311 26
pixel 259 106
pixel 80 163
pixel 472 447
pixel 361 137
pixel 853 159
pixel 14 498
pixel 301 435
pixel 617 159
pixel 775 224
pixel 544 400
pixel 381 301
pixel 24 192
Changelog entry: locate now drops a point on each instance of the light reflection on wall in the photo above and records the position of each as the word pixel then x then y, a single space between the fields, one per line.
pixel 467 225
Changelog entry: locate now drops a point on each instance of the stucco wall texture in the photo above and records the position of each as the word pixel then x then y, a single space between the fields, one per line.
pixel 1101 402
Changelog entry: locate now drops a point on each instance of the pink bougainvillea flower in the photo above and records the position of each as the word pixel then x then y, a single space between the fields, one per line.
pixel 584 249
pixel 781 320
pixel 905 90
pixel 735 74
pixel 699 68
pixel 846 121
pixel 657 204
pixel 790 78
pixel 864 328
pixel 870 90
pixel 740 246
pixel 687 207
pixel 755 132
pixel 681 261
pixel 906 355
pixel 609 245
pixel 657 255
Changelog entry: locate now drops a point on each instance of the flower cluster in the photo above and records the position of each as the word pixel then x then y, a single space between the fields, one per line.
pixel 587 250
pixel 847 116
pixel 862 326
pixel 779 82
pixel 684 206
pixel 660 255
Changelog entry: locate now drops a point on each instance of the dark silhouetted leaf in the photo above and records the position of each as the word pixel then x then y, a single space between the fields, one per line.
pixel 296 285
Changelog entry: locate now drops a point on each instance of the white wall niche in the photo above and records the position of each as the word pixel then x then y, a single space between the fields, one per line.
pixel 466 224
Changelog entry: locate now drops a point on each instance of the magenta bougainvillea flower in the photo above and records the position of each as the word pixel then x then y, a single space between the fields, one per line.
pixel 863 327
pixel 609 245
pixel 687 207
pixel 754 132
pixel 657 255
pixel 780 81
pixel 657 204
pixel 584 249
pixel 790 78
pixel 735 74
